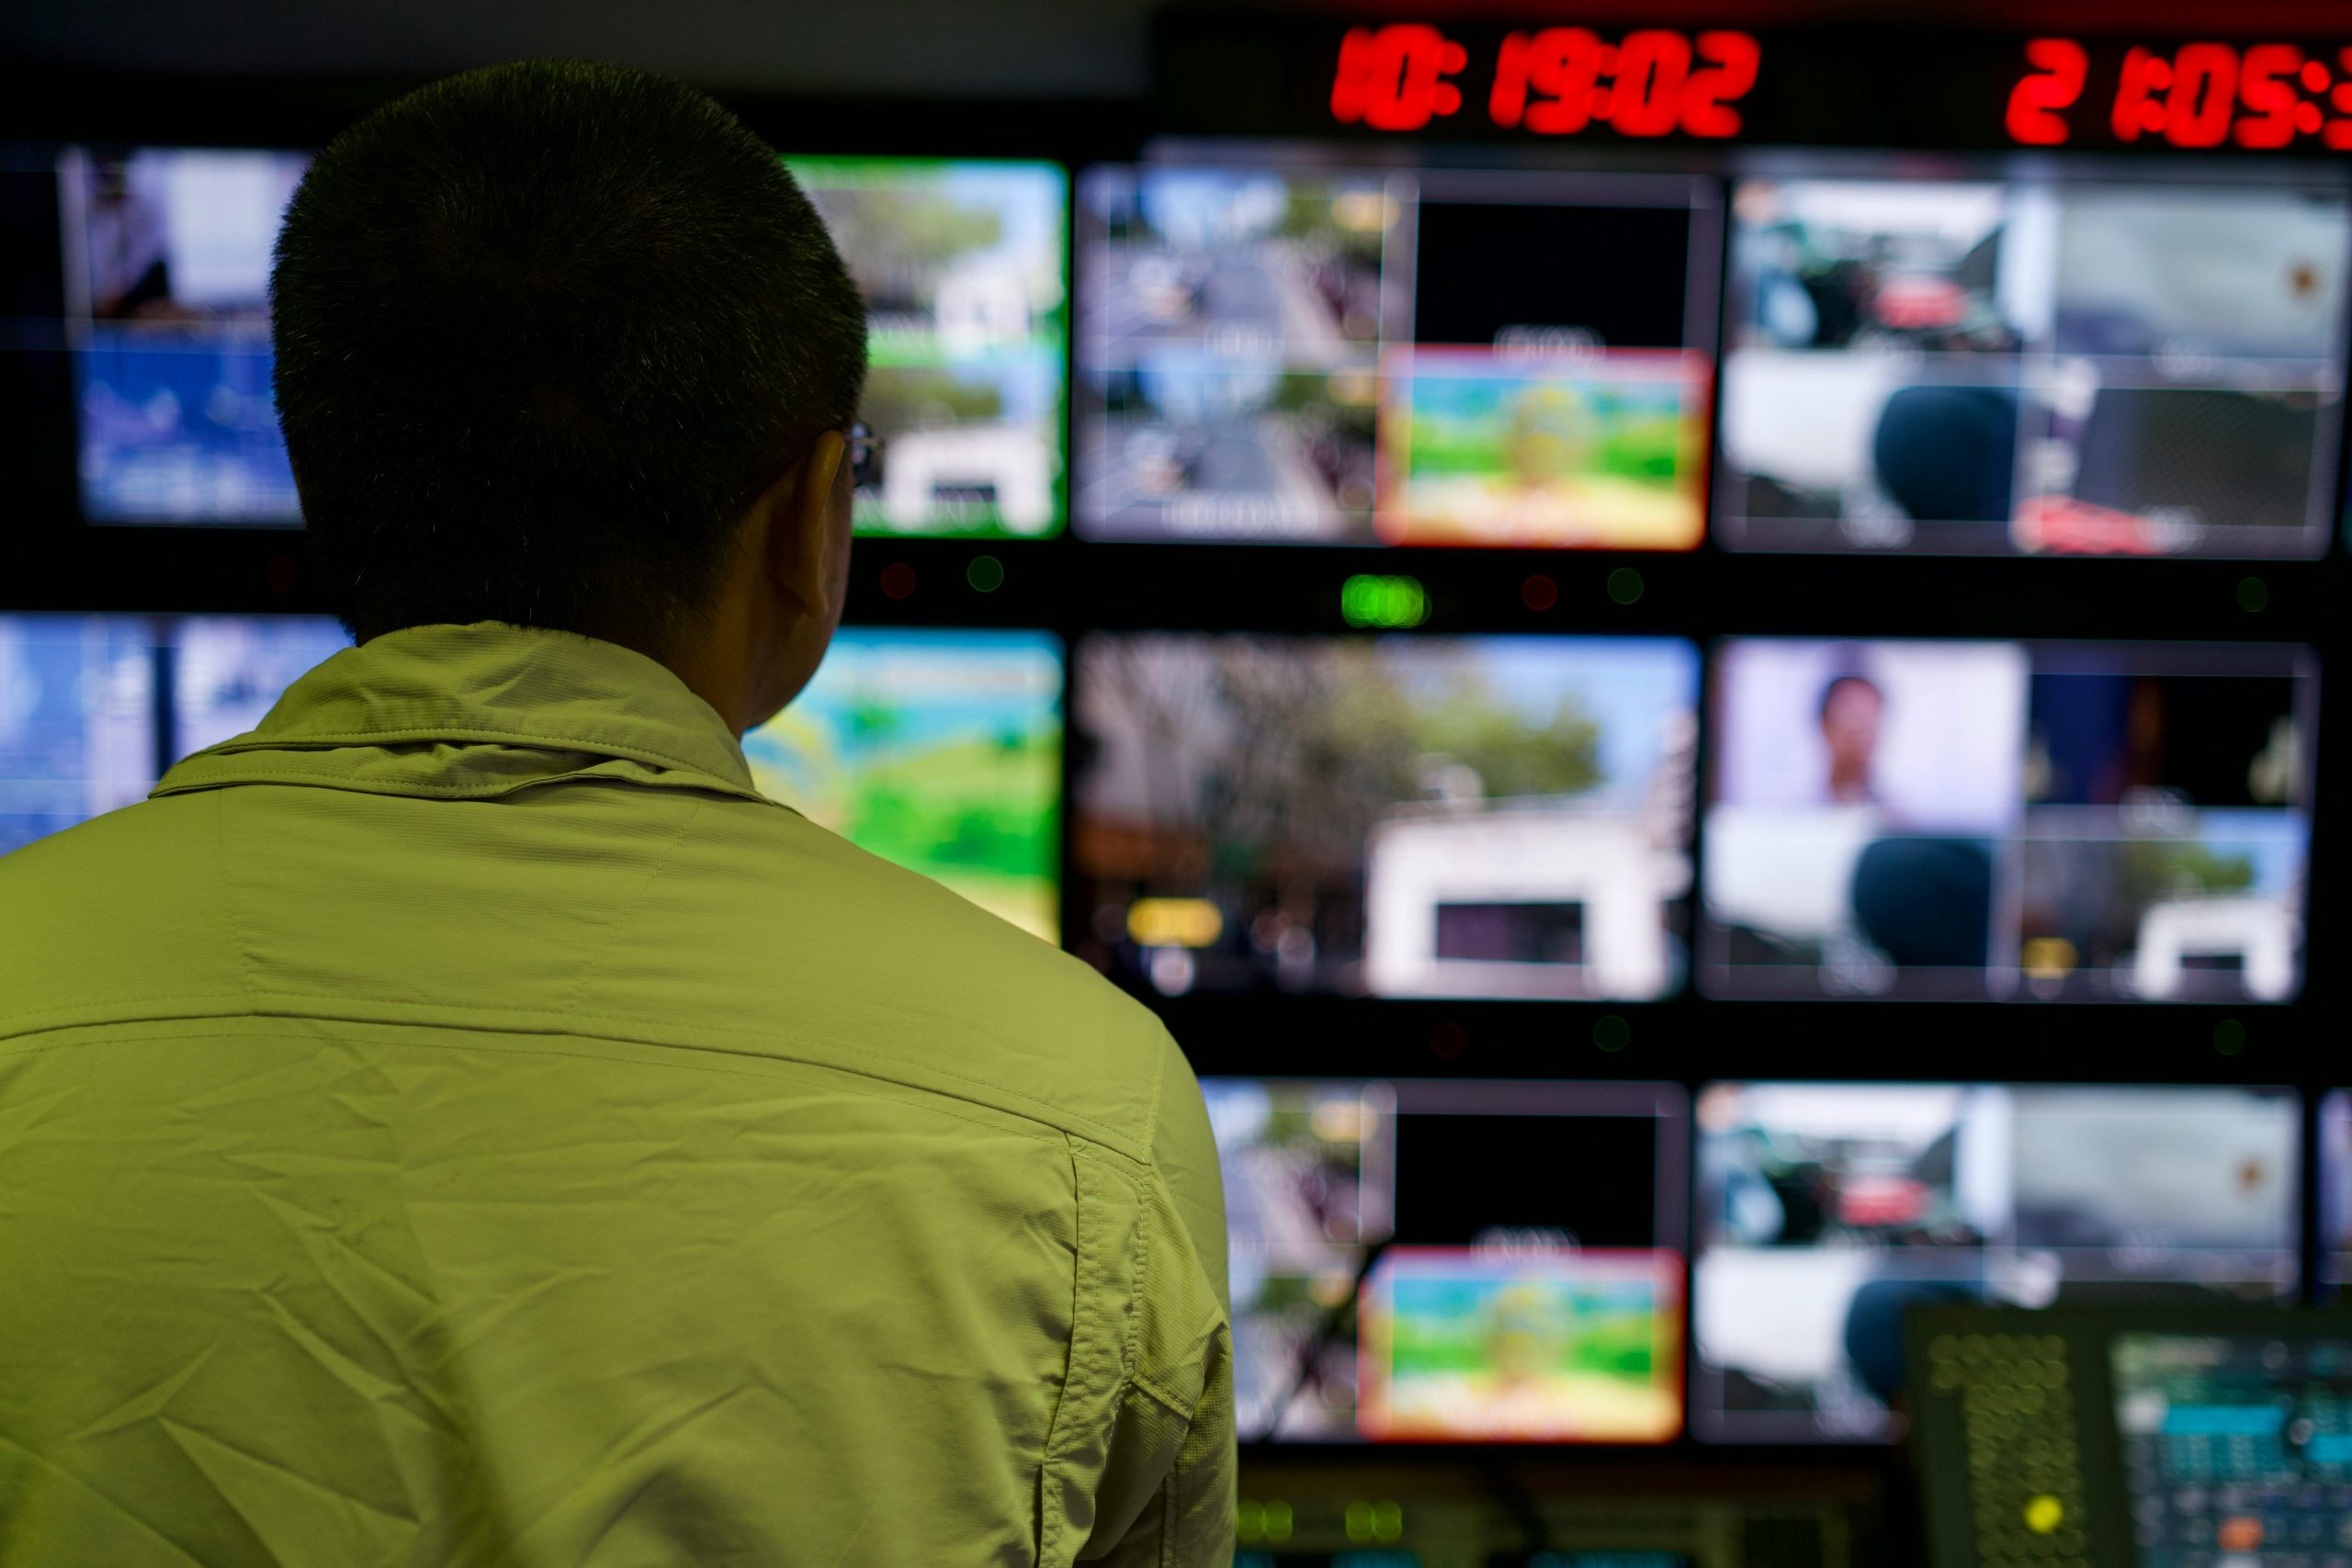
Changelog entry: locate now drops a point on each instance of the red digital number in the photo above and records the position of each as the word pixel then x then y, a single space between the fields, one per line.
pixel 2263 89
pixel 2054 82
pixel 1727 69
pixel 1393 78
pixel 1558 69
pixel 2135 109
pixel 2204 94
pixel 1652 66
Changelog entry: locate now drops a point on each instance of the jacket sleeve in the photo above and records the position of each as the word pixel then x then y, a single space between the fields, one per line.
pixel 1168 1490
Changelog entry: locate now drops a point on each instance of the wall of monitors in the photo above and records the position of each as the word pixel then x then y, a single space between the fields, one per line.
pixel 1573 646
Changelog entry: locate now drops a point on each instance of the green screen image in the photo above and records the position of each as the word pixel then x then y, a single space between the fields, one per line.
pixel 964 266
pixel 939 750
pixel 1600 451
pixel 1560 1347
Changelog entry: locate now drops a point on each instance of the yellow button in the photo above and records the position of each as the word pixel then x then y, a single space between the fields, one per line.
pixel 2045 1514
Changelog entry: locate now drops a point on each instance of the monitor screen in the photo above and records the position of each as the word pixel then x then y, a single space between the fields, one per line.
pixel 77 720
pixel 1460 1260
pixel 2139 1437
pixel 1825 1212
pixel 1308 355
pixel 963 264
pixel 94 708
pixel 167 255
pixel 1986 366
pixel 2060 821
pixel 940 750
pixel 1396 817
pixel 2334 1190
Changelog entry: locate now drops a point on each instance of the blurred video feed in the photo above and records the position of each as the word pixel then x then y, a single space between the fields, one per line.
pixel 228 671
pixel 963 264
pixel 1828 1211
pixel 2335 1190
pixel 1464 1260
pixel 167 283
pixel 2041 367
pixel 938 751
pixel 1394 816
pixel 2033 821
pixel 1357 356
pixel 77 720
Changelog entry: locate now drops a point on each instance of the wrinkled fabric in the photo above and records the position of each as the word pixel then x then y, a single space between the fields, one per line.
pixel 461 1122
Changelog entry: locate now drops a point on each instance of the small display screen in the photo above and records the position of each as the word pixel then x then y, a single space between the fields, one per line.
pixel 1433 357
pixel 963 264
pixel 2038 367
pixel 2335 1190
pixel 77 720
pixel 1457 1260
pixel 1825 1212
pixel 94 708
pixel 2065 821
pixel 940 750
pixel 1396 817
pixel 2237 1449
pixel 168 296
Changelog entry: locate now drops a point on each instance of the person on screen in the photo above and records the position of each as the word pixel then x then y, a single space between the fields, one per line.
pixel 1851 710
pixel 461 1121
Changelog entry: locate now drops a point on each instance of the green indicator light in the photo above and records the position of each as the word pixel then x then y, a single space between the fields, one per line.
pixel 986 573
pixel 2229 1037
pixel 1359 1521
pixel 1249 1519
pixel 1389 603
pixel 1278 1522
pixel 2253 596
pixel 1387 1521
pixel 1612 1032
pixel 1624 585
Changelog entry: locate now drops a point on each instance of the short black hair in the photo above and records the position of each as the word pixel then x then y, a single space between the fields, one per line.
pixel 543 330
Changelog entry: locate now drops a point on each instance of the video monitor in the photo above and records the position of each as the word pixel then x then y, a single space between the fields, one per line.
pixel 94 708
pixel 963 264
pixel 2034 366
pixel 77 720
pixel 2336 1191
pixel 2055 821
pixel 1454 1260
pixel 1388 817
pixel 2212 1438
pixel 939 750
pixel 228 671
pixel 167 255
pixel 1827 1211
pixel 1327 355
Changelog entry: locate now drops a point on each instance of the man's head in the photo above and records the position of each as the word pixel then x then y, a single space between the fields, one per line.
pixel 1851 709
pixel 563 344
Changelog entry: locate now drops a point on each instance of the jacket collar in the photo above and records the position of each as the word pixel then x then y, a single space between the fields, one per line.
pixel 479 710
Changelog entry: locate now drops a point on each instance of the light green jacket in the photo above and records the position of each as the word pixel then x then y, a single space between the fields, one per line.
pixel 462 1123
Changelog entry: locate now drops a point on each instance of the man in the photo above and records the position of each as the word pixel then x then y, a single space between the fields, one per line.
pixel 461 1122
pixel 1852 708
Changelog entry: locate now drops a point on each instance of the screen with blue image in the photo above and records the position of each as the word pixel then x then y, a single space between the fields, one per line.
pixel 167 316
pixel 94 708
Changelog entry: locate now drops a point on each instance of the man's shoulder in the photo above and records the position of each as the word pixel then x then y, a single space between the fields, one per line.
pixel 895 966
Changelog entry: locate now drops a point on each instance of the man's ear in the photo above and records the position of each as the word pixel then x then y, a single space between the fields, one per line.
pixel 798 512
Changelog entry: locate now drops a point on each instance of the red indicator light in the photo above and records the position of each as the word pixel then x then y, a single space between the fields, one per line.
pixel 2054 82
pixel 1539 592
pixel 898 579
pixel 1393 78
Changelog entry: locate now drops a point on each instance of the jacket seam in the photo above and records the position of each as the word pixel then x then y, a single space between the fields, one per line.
pixel 704 780
pixel 1045 1132
pixel 531 739
pixel 1096 1135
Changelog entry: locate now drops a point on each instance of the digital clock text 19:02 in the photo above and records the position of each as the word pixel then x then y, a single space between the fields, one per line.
pixel 1554 82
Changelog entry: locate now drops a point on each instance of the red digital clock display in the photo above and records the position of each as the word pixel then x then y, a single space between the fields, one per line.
pixel 1552 81
pixel 2260 97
